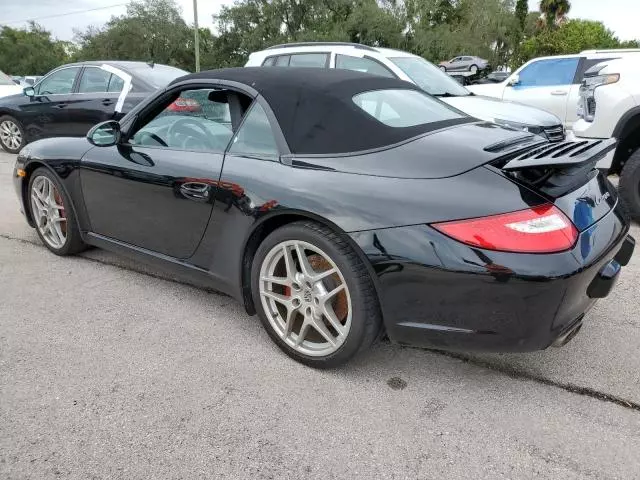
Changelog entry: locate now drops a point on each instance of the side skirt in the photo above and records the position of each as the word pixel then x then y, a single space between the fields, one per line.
pixel 185 271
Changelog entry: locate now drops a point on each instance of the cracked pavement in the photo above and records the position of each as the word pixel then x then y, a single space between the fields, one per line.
pixel 112 369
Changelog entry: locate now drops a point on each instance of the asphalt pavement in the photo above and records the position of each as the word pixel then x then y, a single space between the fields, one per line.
pixel 110 369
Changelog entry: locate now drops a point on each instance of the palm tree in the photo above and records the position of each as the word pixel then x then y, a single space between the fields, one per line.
pixel 554 11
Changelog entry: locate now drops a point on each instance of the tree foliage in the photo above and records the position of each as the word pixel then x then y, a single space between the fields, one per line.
pixel 30 51
pixel 502 31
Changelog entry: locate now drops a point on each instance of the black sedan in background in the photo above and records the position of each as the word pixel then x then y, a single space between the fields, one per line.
pixel 338 206
pixel 71 99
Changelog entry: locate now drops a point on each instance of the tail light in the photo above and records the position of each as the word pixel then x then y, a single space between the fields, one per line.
pixel 541 229
pixel 184 105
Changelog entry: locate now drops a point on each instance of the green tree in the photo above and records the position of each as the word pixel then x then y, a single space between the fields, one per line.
pixel 554 12
pixel 522 9
pixel 152 30
pixel 570 37
pixel 30 51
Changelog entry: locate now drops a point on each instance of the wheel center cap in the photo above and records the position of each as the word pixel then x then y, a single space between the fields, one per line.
pixel 307 295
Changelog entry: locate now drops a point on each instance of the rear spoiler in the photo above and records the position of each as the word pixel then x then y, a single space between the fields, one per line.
pixel 561 155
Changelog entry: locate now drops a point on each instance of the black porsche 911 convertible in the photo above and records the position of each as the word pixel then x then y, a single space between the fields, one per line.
pixel 340 206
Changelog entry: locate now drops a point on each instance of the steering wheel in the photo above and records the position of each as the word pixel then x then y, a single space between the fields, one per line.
pixel 203 135
pixel 153 136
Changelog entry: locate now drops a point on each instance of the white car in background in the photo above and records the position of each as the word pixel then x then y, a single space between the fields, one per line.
pixel 8 86
pixel 414 69
pixel 609 106
pixel 551 83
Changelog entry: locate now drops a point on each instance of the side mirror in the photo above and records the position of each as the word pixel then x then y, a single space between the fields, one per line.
pixel 29 91
pixel 105 134
pixel 514 80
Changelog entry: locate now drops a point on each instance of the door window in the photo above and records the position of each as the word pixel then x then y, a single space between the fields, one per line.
pixel 549 72
pixel 366 65
pixel 97 80
pixel 255 135
pixel 58 83
pixel 316 60
pixel 282 61
pixel 269 62
pixel 198 120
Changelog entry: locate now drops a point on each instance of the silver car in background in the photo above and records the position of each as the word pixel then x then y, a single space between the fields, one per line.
pixel 465 63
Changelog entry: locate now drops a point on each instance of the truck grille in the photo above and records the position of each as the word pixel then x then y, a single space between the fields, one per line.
pixel 554 133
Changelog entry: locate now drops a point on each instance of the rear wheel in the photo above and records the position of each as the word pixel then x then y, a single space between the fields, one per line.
pixel 12 137
pixel 314 295
pixel 53 215
pixel 473 69
pixel 629 185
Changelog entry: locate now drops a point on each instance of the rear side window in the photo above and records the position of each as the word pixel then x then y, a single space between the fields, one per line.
pixel 404 108
pixel 255 135
pixel 312 60
pixel 317 60
pixel 345 62
pixel 544 73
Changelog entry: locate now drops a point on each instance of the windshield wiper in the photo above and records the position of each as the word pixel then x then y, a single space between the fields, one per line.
pixel 445 94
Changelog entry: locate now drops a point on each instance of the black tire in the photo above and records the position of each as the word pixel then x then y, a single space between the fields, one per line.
pixel 471 67
pixel 5 147
pixel 73 243
pixel 366 318
pixel 629 186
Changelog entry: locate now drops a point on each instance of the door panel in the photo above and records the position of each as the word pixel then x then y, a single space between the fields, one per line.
pixel 545 84
pixel 152 197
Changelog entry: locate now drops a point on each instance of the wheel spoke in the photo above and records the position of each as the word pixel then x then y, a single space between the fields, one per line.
pixel 303 261
pixel 57 235
pixel 322 275
pixel 288 323
pixel 286 301
pixel 303 333
pixel 332 293
pixel 277 280
pixel 322 329
pixel 330 315
pixel 289 263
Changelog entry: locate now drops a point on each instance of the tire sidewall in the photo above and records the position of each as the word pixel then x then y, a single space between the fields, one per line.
pixel 72 233
pixel 22 132
pixel 629 186
pixel 357 333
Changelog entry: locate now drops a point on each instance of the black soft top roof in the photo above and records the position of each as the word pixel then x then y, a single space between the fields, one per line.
pixel 315 110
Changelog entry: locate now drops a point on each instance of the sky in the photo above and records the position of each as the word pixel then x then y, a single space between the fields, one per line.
pixel 621 16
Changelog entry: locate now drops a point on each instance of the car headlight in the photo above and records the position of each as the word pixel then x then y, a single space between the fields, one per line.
pixel 587 105
pixel 535 129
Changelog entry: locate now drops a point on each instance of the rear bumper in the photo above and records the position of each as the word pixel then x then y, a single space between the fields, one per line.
pixel 442 294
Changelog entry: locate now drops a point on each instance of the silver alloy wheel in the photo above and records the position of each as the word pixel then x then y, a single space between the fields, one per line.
pixel 10 134
pixel 308 307
pixel 48 212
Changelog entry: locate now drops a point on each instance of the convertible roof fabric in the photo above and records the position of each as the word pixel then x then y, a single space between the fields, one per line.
pixel 315 110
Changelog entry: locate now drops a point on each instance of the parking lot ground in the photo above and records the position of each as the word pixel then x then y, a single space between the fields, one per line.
pixel 109 369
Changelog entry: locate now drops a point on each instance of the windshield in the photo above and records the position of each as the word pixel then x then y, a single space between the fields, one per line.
pixel 429 77
pixel 158 75
pixel 6 79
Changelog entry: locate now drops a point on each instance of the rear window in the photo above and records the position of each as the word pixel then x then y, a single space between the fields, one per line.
pixel 405 108
pixel 158 75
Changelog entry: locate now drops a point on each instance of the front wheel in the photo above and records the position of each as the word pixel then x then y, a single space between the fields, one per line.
pixel 629 185
pixel 314 295
pixel 12 137
pixel 443 68
pixel 53 214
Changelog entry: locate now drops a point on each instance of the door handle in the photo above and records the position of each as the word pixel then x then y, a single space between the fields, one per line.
pixel 61 105
pixel 559 92
pixel 106 102
pixel 195 190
